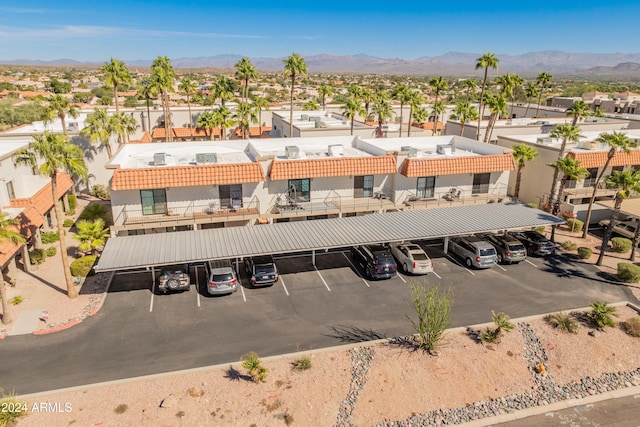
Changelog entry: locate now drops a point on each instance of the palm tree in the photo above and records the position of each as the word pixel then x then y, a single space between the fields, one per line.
pixel 245 70
pixel 522 153
pixel 415 100
pixel 324 91
pixel 162 77
pixel 60 107
pixel 571 170
pixel 471 86
pixel 419 114
pixel 486 61
pixel 579 110
pixel 625 182
pixel 543 80
pixel 294 66
pixel 438 108
pixel 260 104
pixel 57 154
pixel 224 119
pixel 438 84
pixel 530 91
pixel 382 108
pixel 147 91
pixel 188 87
pixel 116 73
pixel 498 107
pixel 465 113
pixel 617 141
pixel 368 97
pixel 352 108
pixel 509 82
pixel 207 120
pixel 567 133
pixel 92 235
pixel 124 126
pixel 311 105
pixel 403 94
pixel 223 89
pixel 98 129
pixel 8 233
pixel 244 116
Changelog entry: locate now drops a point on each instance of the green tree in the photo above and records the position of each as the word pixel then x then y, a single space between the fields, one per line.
pixel 566 133
pixel 617 141
pixel 438 107
pixel 244 116
pixel 92 235
pixel 223 88
pixel 294 66
pixel 419 114
pixel 531 91
pixel 471 86
pixel 368 97
pixel 401 94
pixel 571 171
pixel 352 108
pixel 188 87
pixel 98 129
pixel 438 85
pixel 245 71
pixel 311 105
pixel 433 308
pixel 579 110
pixel 146 90
pixel 465 113
pixel 8 233
pixel 162 78
pixel 543 80
pixel 224 119
pixel 498 107
pixel 382 108
pixel 123 125
pixel 324 91
pixel 60 107
pixel 207 120
pixel 522 153
pixel 260 104
pixel 415 100
pixel 510 83
pixel 57 154
pixel 486 61
pixel 116 73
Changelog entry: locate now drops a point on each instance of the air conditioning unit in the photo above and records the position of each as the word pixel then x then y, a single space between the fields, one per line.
pixel 320 124
pixel 304 117
pixel 544 140
pixel 412 152
pixel 159 159
pixel 336 150
pixel 587 145
pixel 204 158
pixel 445 149
pixel 292 152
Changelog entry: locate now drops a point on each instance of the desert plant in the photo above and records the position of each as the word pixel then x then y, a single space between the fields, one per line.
pixel 568 245
pixel 533 205
pixel 620 245
pixel 11 408
pixel 51 251
pixel 490 336
pixel 575 225
pixel 632 326
pixel 541 229
pixel 602 314
pixel 68 223
pixel 92 235
pixel 628 273
pixel 584 252
pixel 83 266
pixel 252 363
pixel 100 191
pixel 563 321
pixel 36 256
pixel 502 321
pixel 433 308
pixel 302 364
pixel 49 237
pixel 16 300
pixel 73 202
pixel 121 408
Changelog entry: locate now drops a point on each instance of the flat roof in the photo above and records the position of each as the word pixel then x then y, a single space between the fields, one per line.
pixel 306 120
pixel 545 140
pixel 445 146
pixel 308 148
pixel 151 250
pixel 9 147
pixel 54 126
pixel 549 121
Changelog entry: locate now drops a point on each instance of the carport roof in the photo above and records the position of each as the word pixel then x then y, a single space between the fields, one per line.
pixel 129 252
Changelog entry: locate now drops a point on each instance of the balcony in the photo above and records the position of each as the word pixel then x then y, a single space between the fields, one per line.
pixel 333 203
pixel 455 196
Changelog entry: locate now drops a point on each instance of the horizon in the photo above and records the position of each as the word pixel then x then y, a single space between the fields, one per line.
pixel 93 33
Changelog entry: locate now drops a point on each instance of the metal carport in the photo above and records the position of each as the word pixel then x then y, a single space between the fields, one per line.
pixel 151 250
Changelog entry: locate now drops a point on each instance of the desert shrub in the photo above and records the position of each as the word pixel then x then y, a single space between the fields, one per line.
pixel 533 205
pixel 568 245
pixel 541 229
pixel 432 307
pixel 490 336
pixel 575 225
pixel 620 245
pixel 95 211
pixel 51 251
pixel 563 321
pixel 72 203
pixel 302 364
pixel 602 314
pixel 83 266
pixel 100 191
pixel 49 237
pixel 252 363
pixel 68 222
pixel 12 408
pixel 584 253
pixel 502 321
pixel 16 300
pixel 121 408
pixel 37 256
pixel 632 326
pixel 628 273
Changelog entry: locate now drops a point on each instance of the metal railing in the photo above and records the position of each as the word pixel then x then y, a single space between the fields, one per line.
pixel 332 203
pixel 455 196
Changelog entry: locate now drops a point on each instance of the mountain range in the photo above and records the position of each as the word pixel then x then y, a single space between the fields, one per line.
pixel 450 64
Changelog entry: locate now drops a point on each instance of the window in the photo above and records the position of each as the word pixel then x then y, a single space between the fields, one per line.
pixel 300 189
pixel 231 196
pixel 590 180
pixel 10 191
pixel 363 186
pixel 481 183
pixel 617 168
pixel 154 201
pixel 426 186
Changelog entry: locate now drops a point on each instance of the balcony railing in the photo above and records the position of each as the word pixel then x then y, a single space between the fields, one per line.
pixel 455 196
pixel 332 203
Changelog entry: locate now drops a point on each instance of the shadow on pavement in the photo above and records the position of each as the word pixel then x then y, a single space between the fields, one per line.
pixel 352 334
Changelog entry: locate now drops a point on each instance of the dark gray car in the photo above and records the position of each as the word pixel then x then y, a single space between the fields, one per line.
pixel 509 249
pixel 174 278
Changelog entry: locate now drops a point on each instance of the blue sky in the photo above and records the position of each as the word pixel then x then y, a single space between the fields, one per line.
pixel 141 29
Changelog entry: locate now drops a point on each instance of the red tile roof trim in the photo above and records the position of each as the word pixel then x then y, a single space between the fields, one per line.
pixel 326 167
pixel 458 165
pixel 599 158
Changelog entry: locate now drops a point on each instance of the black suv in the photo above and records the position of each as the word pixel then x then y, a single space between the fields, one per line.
pixel 262 270
pixel 535 243
pixel 376 260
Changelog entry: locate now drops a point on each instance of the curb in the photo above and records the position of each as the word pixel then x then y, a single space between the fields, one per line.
pixel 58 329
pixel 104 294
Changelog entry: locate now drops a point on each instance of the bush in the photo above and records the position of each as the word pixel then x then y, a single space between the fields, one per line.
pixel 49 237
pixel 584 253
pixel 95 211
pixel 16 300
pixel 620 245
pixel 51 251
pixel 72 203
pixel 12 408
pixel 563 321
pixel 491 336
pixel 602 314
pixel 252 363
pixel 632 326
pixel 628 273
pixel 302 364
pixel 100 191
pixel 36 256
pixel 575 225
pixel 83 266
pixel 568 246
pixel 533 205
pixel 541 229
pixel 432 308
pixel 68 223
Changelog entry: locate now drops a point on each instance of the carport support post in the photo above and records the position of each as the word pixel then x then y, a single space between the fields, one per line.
pixel 446 244
pixel 153 277
pixel 237 266
pixel 313 257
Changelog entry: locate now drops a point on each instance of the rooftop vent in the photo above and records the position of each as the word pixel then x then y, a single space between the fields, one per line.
pixel 445 149
pixel 159 159
pixel 304 117
pixel 320 124
pixel 204 158
pixel 587 145
pixel 292 151
pixel 411 151
pixel 72 126
pixel 544 140
pixel 336 150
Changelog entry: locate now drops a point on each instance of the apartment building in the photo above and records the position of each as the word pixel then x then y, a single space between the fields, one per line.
pixel 316 123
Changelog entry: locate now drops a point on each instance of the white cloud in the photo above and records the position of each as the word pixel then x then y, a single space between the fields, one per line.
pixel 20 10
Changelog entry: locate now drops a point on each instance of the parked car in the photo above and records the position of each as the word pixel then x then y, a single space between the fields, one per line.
pixel 474 251
pixel 412 258
pixel 262 270
pixel 376 260
pixel 221 277
pixel 174 278
pixel 626 227
pixel 535 243
pixel 509 249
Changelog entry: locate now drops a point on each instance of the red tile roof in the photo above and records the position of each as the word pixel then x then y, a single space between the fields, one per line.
pixel 596 159
pixel 457 165
pixel 343 166
pixel 186 176
pixel 146 138
pixel 253 131
pixel 429 125
pixel 160 133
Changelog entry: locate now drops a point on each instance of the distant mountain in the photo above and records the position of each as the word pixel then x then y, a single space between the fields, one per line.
pixel 450 64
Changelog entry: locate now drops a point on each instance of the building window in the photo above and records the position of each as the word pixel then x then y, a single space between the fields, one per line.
pixel 10 191
pixel 590 180
pixel 617 168
pixel 299 190
pixel 231 196
pixel 481 183
pixel 154 201
pixel 363 186
pixel 426 187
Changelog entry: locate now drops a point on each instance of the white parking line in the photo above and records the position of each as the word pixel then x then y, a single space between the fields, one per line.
pixel 153 292
pixel 356 270
pixel 500 267
pixel 322 278
pixel 401 278
pixel 195 267
pixel 244 297
pixel 531 263
pixel 284 286
pixel 437 275
pixel 456 261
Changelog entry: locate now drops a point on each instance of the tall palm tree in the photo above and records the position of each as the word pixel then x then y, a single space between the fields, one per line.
pixel 188 87
pixel 498 107
pixel 530 90
pixel 522 153
pixel 294 66
pixel 8 233
pixel 579 110
pixel 567 133
pixel 60 107
pixel 311 105
pixel 625 182
pixel 438 85
pixel 124 126
pixel 415 100
pixel 438 107
pixel 147 91
pixel 260 104
pixel 223 88
pixel 224 119
pixel 163 77
pixel 571 170
pixel 382 108
pixel 471 86
pixel 116 73
pixel 207 120
pixel 543 80
pixel 57 154
pixel 352 108
pixel 419 114
pixel 324 91
pixel 486 61
pixel 244 116
pixel 245 71
pixel 509 82
pixel 465 113
pixel 617 141
pixel 403 95
pixel 98 129
pixel 368 97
